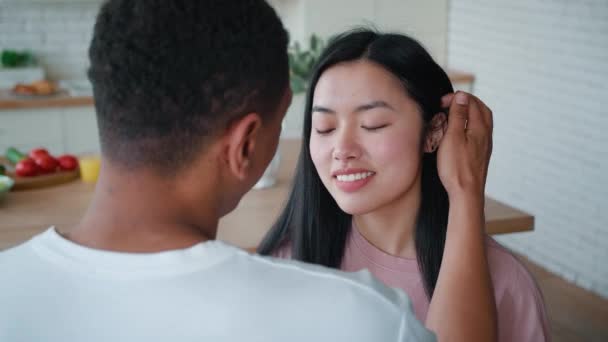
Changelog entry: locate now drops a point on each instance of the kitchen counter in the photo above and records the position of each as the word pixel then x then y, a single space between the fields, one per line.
pixel 63 99
pixel 27 213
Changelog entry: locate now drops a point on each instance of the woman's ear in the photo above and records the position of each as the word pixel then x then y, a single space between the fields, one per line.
pixel 435 132
pixel 240 141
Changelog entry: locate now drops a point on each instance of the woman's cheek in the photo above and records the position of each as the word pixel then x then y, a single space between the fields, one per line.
pixel 392 147
pixel 398 158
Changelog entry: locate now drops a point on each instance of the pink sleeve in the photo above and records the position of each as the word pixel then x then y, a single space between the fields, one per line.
pixel 521 311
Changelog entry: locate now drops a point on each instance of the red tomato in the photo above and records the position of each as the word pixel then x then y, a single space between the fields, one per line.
pixel 38 152
pixel 46 163
pixel 68 162
pixel 26 168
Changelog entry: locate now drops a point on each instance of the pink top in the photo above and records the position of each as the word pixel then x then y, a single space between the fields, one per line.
pixel 520 307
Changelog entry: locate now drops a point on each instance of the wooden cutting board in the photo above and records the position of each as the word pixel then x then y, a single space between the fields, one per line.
pixel 41 181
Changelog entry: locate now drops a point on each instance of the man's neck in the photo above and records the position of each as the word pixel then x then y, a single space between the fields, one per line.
pixel 140 212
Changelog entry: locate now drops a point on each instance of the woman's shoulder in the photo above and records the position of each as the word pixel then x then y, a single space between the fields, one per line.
pixel 507 271
pixel 520 304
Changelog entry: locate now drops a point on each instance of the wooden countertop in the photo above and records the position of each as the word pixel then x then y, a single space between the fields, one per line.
pixel 63 99
pixel 26 213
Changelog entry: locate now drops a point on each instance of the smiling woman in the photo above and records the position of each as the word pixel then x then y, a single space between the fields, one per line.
pixel 368 193
pixel 372 100
pixel 359 131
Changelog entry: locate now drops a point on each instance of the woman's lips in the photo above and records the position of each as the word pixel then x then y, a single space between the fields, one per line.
pixel 352 180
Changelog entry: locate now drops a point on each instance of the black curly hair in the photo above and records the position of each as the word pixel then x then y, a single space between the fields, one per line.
pixel 169 75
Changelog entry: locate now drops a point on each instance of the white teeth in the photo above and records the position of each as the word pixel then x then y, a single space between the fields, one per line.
pixel 354 176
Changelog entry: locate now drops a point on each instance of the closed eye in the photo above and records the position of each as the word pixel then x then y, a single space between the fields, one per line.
pixel 325 131
pixel 374 128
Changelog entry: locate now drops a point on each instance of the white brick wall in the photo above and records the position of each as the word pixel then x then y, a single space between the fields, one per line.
pixel 58 33
pixel 542 66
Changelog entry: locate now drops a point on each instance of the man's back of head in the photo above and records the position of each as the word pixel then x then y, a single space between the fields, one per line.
pixel 168 76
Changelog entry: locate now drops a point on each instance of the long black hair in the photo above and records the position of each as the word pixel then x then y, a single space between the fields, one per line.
pixel 312 223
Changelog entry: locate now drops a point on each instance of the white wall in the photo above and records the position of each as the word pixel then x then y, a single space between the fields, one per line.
pixel 59 33
pixel 543 66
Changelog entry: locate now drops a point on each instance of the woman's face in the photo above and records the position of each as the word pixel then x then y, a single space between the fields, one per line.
pixel 365 140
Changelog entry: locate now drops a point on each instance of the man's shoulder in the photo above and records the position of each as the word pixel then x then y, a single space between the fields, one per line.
pixel 250 288
pixel 356 291
pixel 353 301
pixel 361 282
pixel 16 264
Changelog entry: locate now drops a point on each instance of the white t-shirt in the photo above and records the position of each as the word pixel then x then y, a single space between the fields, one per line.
pixel 52 289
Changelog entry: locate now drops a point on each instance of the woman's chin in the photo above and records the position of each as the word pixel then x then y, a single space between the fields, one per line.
pixel 354 207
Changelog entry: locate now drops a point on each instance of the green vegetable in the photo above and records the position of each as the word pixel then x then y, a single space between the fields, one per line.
pixel 2 170
pixel 14 156
pixel 15 59
pixel 6 183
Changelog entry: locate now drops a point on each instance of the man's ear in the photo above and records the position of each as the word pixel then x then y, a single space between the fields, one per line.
pixel 240 140
pixel 435 132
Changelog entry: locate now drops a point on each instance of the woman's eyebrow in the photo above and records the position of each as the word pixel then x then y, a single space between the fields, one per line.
pixel 361 108
pixel 372 105
pixel 322 109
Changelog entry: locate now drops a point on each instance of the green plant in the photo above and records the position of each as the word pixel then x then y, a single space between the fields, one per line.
pixel 302 61
pixel 16 59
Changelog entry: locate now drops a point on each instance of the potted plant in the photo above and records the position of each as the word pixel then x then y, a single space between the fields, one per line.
pixel 18 67
pixel 302 61
pixel 301 64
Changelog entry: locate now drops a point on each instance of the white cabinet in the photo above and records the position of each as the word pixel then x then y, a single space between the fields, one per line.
pixel 60 130
pixel 27 129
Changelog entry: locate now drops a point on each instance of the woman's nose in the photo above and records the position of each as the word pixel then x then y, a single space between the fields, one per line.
pixel 346 147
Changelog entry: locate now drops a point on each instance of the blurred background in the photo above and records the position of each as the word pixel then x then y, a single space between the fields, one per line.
pixel 541 65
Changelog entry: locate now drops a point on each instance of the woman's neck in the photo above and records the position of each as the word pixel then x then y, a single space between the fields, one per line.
pixel 391 227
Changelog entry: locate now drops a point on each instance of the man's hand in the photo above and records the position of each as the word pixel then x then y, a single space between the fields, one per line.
pixel 463 306
pixel 464 152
